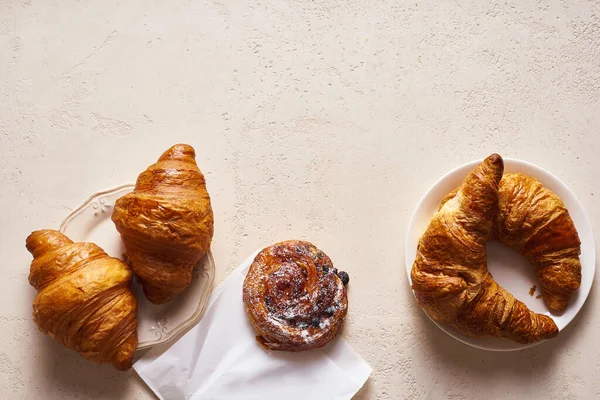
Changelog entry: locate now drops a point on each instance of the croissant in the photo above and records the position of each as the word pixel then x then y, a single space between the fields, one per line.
pixel 166 223
pixel 534 221
pixel 84 299
pixel 450 278
pixel 294 297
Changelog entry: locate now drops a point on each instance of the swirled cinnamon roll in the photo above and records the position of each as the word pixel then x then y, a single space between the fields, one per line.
pixel 294 297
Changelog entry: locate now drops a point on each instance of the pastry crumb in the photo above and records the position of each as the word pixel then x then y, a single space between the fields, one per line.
pixel 539 296
pixel 532 290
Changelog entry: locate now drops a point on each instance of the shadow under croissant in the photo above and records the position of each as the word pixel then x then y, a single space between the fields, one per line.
pixel 533 363
pixel 70 375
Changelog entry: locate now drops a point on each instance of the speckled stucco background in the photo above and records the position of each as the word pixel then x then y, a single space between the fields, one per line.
pixel 323 120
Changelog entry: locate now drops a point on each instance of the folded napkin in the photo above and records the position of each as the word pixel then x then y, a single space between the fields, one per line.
pixel 220 359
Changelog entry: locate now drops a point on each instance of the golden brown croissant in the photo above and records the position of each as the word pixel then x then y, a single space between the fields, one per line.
pixel 450 276
pixel 535 222
pixel 294 297
pixel 166 223
pixel 85 301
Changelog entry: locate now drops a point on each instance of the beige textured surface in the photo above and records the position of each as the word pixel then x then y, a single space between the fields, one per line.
pixel 322 120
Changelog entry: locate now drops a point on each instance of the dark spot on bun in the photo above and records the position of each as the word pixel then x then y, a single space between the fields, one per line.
pixel 344 277
pixel 301 325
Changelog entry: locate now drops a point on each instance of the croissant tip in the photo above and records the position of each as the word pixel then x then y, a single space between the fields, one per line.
pixel 179 151
pixel 496 161
pixel 41 241
pixel 495 158
pixel 34 238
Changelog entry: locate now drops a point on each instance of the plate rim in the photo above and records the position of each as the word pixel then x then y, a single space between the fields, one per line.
pixel 88 201
pixel 209 273
pixel 409 259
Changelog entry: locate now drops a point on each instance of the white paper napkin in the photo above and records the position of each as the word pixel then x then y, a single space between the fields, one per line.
pixel 220 359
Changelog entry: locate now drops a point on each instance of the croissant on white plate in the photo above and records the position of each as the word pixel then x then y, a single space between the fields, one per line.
pixel 166 223
pixel 450 277
pixel 84 298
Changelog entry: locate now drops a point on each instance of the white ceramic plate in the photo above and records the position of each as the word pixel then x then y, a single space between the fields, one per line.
pixel 509 269
pixel 156 323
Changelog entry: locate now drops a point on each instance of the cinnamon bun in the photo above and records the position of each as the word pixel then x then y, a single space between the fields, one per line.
pixel 294 297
